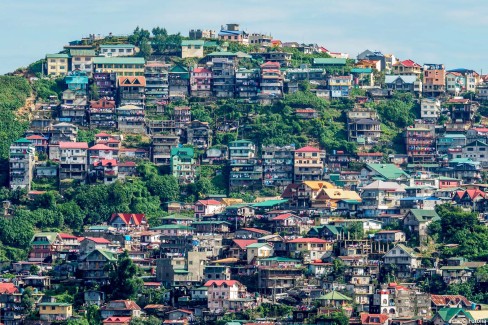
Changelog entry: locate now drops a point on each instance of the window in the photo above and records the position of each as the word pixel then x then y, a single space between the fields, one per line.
pixel 53 308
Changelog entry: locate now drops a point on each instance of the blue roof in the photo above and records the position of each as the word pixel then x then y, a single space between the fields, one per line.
pixel 230 32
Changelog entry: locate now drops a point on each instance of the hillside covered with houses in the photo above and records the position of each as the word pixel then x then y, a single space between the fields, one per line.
pixel 233 178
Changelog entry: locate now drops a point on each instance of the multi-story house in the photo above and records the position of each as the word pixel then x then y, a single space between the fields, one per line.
pixel 130 118
pixel 339 86
pixel 106 83
pixel 93 265
pixel 157 83
pixel 390 236
pixel 260 39
pixel 101 151
pixel 462 168
pixel 455 82
pixel 55 311
pixel 418 220
pixel 224 73
pixel 295 75
pixel 199 134
pixel 181 271
pixel 380 197
pixel 21 164
pixel 101 114
pixel 82 60
pixel 279 277
pixel 278 166
pixel 202 34
pixel 462 110
pixel 308 248
pixel 161 146
pixel 404 258
pixel 231 33
pixel 271 82
pixel 450 143
pixel 57 64
pixel 183 165
pixel 201 82
pixel 132 91
pixel 114 50
pixel 365 131
pixel 63 132
pixel 228 295
pixel 44 245
pixel 405 83
pixel 308 164
pixel 247 83
pixel 430 109
pixel 73 160
pixel 75 98
pixel 420 143
pixel 207 208
pixel 123 66
pixel 407 67
pixel 434 80
pixel 39 142
pixel 192 48
pixel 179 82
pixel 182 116
pixel 245 169
pixel 477 151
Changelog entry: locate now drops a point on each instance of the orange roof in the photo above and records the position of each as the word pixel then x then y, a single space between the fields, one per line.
pixel 102 134
pixel 209 202
pixel 367 318
pixel 135 81
pixel 117 320
pixel 35 137
pixel 442 300
pixel 283 216
pixel 8 287
pixel 98 240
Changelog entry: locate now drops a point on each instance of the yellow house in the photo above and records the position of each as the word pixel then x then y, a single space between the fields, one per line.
pixel 57 64
pixel 192 48
pixel 51 311
pixel 123 66
pixel 328 197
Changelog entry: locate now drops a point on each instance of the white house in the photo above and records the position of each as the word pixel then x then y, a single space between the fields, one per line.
pixel 404 258
pixel 258 250
pixel 208 208
pixel 430 108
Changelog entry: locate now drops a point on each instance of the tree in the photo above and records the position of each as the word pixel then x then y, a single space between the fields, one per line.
pixel 94 92
pixel 93 315
pixel 145 48
pixel 124 280
pixel 77 321
pixel 34 269
pixel 166 187
pixel 151 320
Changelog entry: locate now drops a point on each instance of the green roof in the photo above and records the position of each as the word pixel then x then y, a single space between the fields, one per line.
pixel 221 53
pixel 82 52
pixel 462 161
pixel 181 271
pixel 118 60
pixel 192 42
pixel 124 46
pixel 200 288
pixel 51 236
pixel 180 152
pixel 333 229
pixel 163 227
pixel 361 70
pixel 59 304
pixel 387 171
pixel 210 223
pixel 23 140
pixel 268 204
pixel 425 215
pixel 454 267
pixel 210 44
pixel 406 249
pixel 98 227
pixel 108 255
pixel 178 217
pixel 334 295
pixel 446 314
pixel 257 245
pixel 329 61
pixel 60 56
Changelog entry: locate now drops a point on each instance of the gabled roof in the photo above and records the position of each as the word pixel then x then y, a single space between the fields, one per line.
pixel 243 243
pixel 98 240
pixel 388 171
pixel 447 314
pixel 220 283
pixel 404 248
pixel 283 216
pixel 73 145
pixel 136 218
pixel 334 295
pixel 408 63
pixel 424 215
pixel 128 305
pixel 366 318
pixel 117 320
pixel 105 162
pixel 258 245
pixel 406 79
pixel 129 81
pixel 381 185
pixel 209 202
pixel 100 146
pixel 317 185
pixel 308 240
pixel 256 230
pixel 8 287
pixel 192 42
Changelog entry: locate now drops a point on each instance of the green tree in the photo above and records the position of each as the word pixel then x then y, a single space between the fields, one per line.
pixel 124 280
pixel 151 320
pixel 94 92
pixel 93 315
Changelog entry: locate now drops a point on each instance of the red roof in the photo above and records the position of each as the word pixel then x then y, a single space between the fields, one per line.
pixel 443 300
pixel 201 70
pixel 256 230
pixel 482 130
pixel 137 218
pixel 270 64
pixel 36 137
pixel 367 318
pixel 185 311
pixel 67 236
pixel 308 240
pixel 73 145
pixel 308 149
pixel 102 134
pixel 105 162
pixel 117 320
pixel 152 284
pixel 305 110
pixel 409 64
pixel 220 283
pixel 98 240
pixel 475 193
pixel 458 101
pixel 34 192
pixel 8 287
pixel 243 243
pixel 282 216
pixel 209 202
pixel 100 146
